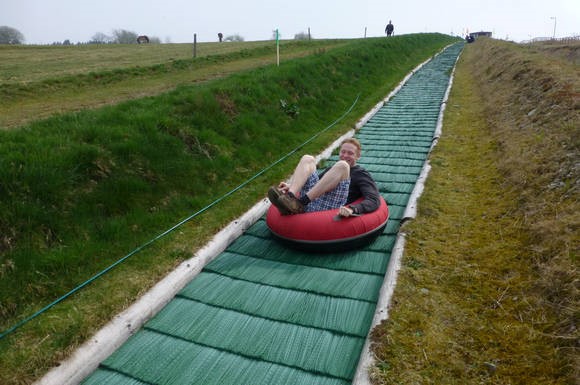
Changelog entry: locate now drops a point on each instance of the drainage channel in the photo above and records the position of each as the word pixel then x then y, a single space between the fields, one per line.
pixel 260 313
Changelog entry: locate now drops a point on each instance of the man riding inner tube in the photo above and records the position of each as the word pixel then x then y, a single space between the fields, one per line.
pixel 337 187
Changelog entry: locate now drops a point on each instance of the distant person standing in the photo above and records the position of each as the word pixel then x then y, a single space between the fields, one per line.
pixel 390 28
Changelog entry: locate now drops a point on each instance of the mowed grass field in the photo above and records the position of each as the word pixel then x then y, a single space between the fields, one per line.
pixel 29 64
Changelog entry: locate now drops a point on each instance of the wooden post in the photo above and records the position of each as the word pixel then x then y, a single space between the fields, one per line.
pixel 277 48
pixel 309 37
pixel 365 32
pixel 195 45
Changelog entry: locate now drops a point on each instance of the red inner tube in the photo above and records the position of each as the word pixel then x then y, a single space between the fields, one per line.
pixel 320 227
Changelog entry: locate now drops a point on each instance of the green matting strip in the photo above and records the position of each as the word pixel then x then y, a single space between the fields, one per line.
pixel 104 376
pixel 360 261
pixel 313 349
pixel 156 358
pixel 341 315
pixel 344 284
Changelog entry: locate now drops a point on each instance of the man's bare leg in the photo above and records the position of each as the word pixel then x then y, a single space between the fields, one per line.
pixel 303 170
pixel 289 203
pixel 340 171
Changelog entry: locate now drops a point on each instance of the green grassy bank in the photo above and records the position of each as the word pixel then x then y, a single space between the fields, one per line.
pixel 79 191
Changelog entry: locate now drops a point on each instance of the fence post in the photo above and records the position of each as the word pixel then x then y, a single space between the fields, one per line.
pixel 195 45
pixel 277 48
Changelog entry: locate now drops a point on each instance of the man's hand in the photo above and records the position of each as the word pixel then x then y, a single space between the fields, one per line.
pixel 344 211
pixel 284 187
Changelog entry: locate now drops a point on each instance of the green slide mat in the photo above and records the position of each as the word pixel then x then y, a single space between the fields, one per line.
pixel 263 314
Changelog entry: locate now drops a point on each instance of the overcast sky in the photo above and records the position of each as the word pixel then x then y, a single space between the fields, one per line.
pixel 176 21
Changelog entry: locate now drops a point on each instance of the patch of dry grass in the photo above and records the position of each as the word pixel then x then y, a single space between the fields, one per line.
pixel 488 289
pixel 568 50
pixel 539 138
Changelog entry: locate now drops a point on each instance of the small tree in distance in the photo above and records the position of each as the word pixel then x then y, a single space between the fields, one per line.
pixel 234 38
pixel 101 38
pixel 122 36
pixel 9 35
pixel 302 36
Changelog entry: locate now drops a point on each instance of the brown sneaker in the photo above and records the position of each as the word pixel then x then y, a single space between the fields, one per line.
pixel 290 204
pixel 274 195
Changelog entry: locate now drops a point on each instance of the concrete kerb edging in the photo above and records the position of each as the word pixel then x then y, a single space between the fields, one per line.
pixel 367 358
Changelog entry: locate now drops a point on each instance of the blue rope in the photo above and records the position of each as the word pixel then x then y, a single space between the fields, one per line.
pixel 138 249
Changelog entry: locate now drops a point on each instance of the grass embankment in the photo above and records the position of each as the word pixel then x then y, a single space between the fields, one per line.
pixel 488 290
pixel 81 77
pixel 79 191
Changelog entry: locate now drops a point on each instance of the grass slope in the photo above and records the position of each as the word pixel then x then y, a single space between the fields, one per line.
pixel 78 191
pixel 488 290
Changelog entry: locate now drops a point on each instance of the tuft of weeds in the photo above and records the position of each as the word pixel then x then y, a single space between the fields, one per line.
pixel 488 289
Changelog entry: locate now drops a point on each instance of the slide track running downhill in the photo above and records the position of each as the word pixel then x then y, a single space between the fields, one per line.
pixel 263 314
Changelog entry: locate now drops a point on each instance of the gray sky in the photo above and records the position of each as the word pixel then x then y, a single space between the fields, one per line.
pixel 176 21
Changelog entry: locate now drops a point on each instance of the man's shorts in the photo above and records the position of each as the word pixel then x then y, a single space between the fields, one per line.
pixel 330 200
